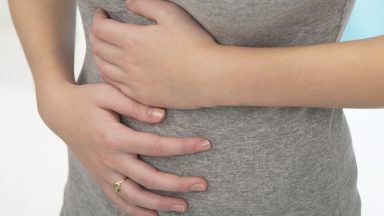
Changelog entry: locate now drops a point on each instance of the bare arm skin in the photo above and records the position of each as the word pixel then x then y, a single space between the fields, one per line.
pixel 46 31
pixel 343 74
pixel 183 64
pixel 107 148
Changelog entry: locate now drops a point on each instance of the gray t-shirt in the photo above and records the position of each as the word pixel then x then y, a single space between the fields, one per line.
pixel 265 161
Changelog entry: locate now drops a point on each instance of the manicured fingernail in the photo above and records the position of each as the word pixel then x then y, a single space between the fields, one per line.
pixel 205 145
pixel 156 112
pixel 198 187
pixel 178 208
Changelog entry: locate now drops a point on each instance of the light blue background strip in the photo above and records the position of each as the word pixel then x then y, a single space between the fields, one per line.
pixel 367 20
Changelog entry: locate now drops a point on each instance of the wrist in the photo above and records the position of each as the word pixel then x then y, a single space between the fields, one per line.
pixel 52 85
pixel 210 73
pixel 50 96
pixel 220 76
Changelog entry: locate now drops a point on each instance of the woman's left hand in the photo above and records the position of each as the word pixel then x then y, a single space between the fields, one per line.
pixel 164 65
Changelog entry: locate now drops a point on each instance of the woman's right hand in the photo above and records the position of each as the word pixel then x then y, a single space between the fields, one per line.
pixel 86 118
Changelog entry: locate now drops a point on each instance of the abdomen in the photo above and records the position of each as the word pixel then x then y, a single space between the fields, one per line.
pixel 264 161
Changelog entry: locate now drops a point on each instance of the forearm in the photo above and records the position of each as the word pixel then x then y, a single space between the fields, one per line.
pixel 346 75
pixel 46 31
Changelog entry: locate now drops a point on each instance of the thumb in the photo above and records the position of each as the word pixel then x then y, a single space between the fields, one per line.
pixel 115 100
pixel 157 10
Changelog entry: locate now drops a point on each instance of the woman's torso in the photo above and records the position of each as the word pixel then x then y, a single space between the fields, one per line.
pixel 264 160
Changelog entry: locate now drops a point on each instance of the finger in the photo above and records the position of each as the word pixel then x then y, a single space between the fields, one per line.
pixel 144 143
pixel 112 30
pixel 115 100
pixel 107 51
pixel 151 178
pixel 121 86
pixel 109 71
pixel 133 193
pixel 128 208
pixel 159 11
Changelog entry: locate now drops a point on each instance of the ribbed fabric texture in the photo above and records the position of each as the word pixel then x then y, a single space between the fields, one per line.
pixel 265 161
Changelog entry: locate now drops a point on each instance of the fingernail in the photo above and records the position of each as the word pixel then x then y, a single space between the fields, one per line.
pixel 156 112
pixel 178 208
pixel 205 145
pixel 198 187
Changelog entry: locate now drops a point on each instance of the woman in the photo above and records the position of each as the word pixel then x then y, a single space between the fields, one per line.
pixel 280 141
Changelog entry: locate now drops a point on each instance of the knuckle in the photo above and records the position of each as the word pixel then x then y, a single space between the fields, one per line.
pixel 103 69
pixel 108 140
pixel 166 10
pixel 163 13
pixel 104 159
pixel 156 148
pixel 136 109
pixel 103 94
pixel 163 203
pixel 96 27
pixel 139 93
pixel 186 148
pixel 135 5
pixel 180 184
pixel 95 47
pixel 127 91
pixel 149 183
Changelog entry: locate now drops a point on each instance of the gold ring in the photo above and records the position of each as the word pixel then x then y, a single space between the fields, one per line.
pixel 117 185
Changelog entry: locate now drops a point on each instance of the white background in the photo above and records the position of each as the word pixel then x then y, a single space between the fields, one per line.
pixel 33 161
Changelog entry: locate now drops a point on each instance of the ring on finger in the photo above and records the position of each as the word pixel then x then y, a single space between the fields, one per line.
pixel 117 185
